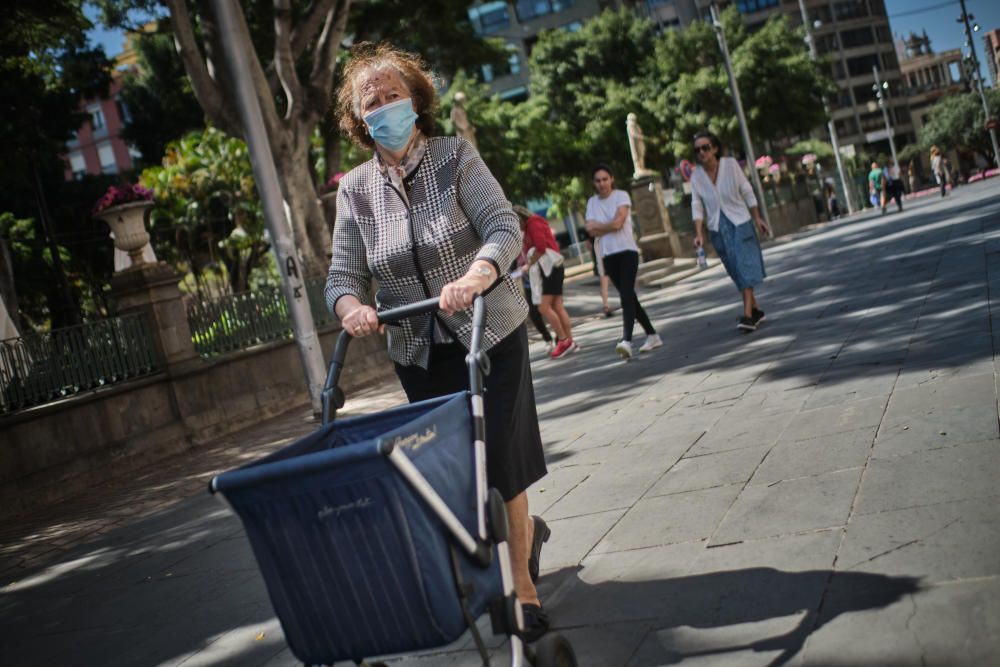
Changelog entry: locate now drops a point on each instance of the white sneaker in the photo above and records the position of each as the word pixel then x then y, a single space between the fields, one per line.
pixel 624 350
pixel 651 343
pixel 549 346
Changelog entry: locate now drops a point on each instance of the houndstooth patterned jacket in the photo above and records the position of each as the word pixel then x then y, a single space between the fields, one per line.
pixel 457 213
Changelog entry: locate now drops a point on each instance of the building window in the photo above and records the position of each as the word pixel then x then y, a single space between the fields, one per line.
pixel 106 154
pixel 826 43
pixel 852 9
pixel 821 14
pixel 532 9
pixel 97 121
pixel 857 37
pixel 77 165
pixel 487 73
pixel 123 111
pixel 518 94
pixel 883 34
pixel 750 6
pixel 846 127
pixel 574 26
pixel 489 18
pixel 513 60
pixel 862 65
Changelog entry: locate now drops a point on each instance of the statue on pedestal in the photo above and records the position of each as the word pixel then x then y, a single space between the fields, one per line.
pixel 460 119
pixel 637 145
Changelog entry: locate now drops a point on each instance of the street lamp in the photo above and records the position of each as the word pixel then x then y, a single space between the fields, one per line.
pixel 881 89
pixel 831 128
pixel 965 18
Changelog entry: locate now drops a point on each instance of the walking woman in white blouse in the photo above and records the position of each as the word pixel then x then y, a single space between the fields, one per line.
pixel 722 197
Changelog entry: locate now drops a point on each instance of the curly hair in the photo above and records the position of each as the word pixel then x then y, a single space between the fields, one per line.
pixel 366 57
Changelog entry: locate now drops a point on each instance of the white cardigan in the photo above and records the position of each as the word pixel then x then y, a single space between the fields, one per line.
pixel 731 193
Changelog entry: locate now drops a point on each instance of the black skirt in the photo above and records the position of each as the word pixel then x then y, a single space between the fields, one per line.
pixel 514 455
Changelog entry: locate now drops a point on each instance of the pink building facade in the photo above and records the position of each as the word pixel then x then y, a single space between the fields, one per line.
pixel 98 147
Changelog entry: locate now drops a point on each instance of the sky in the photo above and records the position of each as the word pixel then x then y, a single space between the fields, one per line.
pixel 937 17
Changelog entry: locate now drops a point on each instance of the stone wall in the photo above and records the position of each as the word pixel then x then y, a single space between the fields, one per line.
pixel 55 450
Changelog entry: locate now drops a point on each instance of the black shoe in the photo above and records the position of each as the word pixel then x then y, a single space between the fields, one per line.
pixel 757 316
pixel 542 533
pixel 536 622
pixel 746 324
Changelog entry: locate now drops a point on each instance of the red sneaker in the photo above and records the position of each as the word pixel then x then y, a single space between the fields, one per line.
pixel 563 348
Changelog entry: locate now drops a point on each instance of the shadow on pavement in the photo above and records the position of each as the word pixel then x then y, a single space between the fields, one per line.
pixel 799 603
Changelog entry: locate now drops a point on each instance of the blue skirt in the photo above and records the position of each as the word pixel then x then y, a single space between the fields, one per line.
pixel 739 250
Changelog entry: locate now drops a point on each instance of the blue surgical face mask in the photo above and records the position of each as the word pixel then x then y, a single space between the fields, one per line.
pixel 391 126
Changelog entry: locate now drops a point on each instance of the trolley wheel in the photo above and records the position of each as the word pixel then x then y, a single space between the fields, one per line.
pixel 554 650
pixel 497 512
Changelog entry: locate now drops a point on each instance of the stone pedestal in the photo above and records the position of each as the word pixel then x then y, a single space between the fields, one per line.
pixel 657 238
pixel 151 288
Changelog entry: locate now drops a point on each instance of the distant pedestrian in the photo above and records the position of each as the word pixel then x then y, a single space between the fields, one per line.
pixel 832 201
pixel 911 175
pixel 544 261
pixel 609 219
pixel 594 246
pixel 721 196
pixel 876 186
pixel 939 170
pixel 533 315
pixel 894 185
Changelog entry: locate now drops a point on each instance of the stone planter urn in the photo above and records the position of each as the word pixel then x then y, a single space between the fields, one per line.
pixel 128 223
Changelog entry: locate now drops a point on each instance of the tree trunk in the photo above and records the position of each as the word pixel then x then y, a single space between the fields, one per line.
pixel 309 226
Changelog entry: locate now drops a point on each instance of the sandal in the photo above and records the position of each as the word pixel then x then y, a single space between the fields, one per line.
pixel 541 536
pixel 536 622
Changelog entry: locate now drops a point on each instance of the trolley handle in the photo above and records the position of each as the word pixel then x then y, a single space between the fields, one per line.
pixel 332 398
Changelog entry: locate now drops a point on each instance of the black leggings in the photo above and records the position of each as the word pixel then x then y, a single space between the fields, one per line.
pixel 621 268
pixel 536 317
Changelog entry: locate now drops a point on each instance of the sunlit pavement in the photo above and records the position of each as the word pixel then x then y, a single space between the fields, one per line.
pixel 819 492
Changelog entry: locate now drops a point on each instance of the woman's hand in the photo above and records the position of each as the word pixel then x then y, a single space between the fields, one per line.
pixel 699 241
pixel 362 321
pixel 761 225
pixel 458 295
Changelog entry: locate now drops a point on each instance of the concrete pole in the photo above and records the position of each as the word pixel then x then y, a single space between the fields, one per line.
pixel 831 128
pixel 266 176
pixel 885 116
pixel 720 33
pixel 979 82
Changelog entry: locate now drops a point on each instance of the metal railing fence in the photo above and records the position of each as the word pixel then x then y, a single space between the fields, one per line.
pixel 238 321
pixel 40 368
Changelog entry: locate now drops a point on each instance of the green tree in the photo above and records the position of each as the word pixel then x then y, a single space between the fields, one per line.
pixel 958 121
pixel 46 67
pixel 162 106
pixel 208 213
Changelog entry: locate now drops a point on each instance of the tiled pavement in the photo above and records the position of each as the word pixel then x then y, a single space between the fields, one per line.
pixel 821 492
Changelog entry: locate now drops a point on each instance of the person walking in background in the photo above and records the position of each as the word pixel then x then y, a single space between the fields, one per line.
pixel 541 251
pixel 722 198
pixel 426 219
pixel 533 315
pixel 876 186
pixel 911 175
pixel 598 263
pixel 894 185
pixel 938 169
pixel 609 219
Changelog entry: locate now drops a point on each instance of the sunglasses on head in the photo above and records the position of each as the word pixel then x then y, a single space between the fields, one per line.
pixel 704 148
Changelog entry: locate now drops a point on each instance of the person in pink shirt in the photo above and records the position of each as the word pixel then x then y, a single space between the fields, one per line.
pixel 538 236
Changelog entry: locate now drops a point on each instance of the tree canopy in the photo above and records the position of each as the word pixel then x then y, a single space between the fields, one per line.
pixel 958 121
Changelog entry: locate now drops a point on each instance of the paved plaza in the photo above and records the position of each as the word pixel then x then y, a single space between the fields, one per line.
pixel 821 492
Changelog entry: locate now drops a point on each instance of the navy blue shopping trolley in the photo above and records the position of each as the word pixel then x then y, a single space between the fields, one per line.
pixel 377 535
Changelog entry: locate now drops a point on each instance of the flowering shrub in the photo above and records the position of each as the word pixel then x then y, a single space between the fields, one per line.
pixel 774 169
pixel 763 162
pixel 809 158
pixel 122 194
pixel 332 183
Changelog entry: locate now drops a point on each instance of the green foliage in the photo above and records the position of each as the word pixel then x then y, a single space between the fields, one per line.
pixel 821 149
pixel 159 97
pixel 958 121
pixel 31 263
pixel 208 217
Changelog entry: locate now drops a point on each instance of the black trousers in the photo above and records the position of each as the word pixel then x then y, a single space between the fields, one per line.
pixel 514 455
pixel 536 317
pixel 621 268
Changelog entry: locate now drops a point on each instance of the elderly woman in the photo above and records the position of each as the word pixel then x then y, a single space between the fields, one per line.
pixel 722 197
pixel 424 217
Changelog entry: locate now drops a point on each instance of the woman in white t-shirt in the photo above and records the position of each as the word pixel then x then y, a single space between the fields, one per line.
pixel 609 219
pixel 722 197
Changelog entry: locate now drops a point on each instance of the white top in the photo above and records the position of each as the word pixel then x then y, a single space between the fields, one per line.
pixel 731 193
pixel 603 211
